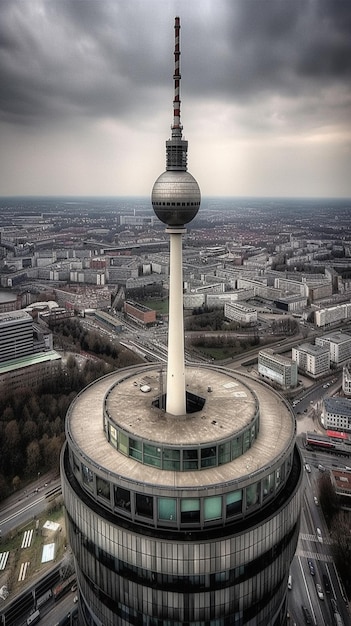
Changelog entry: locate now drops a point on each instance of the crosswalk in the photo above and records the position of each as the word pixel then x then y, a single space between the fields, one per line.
pixel 3 559
pixel 27 538
pixel 23 570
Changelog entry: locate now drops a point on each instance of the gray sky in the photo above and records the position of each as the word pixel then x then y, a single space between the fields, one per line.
pixel 87 89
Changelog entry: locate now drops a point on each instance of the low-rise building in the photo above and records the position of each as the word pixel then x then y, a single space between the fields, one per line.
pixel 240 313
pixel 311 359
pixel 339 345
pixel 277 368
pixel 29 371
pixel 341 481
pixel 336 414
pixel 346 379
pixel 139 313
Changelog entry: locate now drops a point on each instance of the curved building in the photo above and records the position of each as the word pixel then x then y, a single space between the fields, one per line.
pixel 182 495
pixel 181 520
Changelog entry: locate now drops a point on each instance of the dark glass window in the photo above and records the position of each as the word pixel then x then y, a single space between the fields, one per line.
pixel 190 460
pixel 122 498
pixel 103 487
pixel 144 505
pixel 208 457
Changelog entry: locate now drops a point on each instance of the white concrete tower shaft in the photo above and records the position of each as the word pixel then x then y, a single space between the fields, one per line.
pixel 176 200
pixel 176 393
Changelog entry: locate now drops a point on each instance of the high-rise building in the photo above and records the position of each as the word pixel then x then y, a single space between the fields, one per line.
pixel 181 487
pixel 16 335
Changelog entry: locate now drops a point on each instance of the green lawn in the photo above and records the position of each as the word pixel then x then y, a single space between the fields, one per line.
pixel 160 306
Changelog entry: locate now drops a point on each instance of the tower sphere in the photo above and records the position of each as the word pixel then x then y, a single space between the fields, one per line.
pixel 176 197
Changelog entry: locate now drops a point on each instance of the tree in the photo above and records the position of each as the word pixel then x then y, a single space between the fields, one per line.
pixel 327 497
pixel 33 458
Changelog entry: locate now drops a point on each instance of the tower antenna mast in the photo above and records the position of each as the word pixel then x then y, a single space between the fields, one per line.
pixel 176 200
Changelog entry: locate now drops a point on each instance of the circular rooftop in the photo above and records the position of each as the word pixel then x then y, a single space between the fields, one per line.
pixel 234 404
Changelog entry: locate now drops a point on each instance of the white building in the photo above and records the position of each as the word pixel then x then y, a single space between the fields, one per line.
pixel 311 359
pixel 336 414
pixel 240 313
pixel 332 315
pixel 339 345
pixel 277 368
pixel 346 379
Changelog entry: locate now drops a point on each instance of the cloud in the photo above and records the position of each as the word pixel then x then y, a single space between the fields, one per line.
pixel 252 70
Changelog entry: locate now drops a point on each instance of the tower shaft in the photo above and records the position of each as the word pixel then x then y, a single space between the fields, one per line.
pixel 176 395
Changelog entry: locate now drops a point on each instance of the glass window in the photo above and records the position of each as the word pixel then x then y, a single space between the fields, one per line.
pixel 136 449
pixel 171 459
pixel 144 505
pixel 224 453
pixel 234 502
pixel 277 477
pixel 190 510
pixel 208 457
pixel 268 485
pixel 76 464
pixel 123 443
pixel 237 447
pixel 252 494
pixel 103 487
pixel 152 455
pixel 247 440
pixel 190 459
pixel 88 477
pixel 113 436
pixel 122 498
pixel 212 508
pixel 167 509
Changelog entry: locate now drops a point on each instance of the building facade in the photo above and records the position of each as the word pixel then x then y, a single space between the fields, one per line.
pixel 336 414
pixel 339 345
pixel 346 380
pixel 16 335
pixel 277 368
pixel 312 360
pixel 240 313
pixel 191 520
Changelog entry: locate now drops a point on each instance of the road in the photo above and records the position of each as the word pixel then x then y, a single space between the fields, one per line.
pixel 26 504
pixel 313 563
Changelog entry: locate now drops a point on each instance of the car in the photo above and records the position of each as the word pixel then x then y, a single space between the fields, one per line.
pixel 315 500
pixel 319 535
pixel 306 614
pixel 320 593
pixel 290 582
pixel 311 566
pixel 321 468
pixel 308 468
pixel 326 584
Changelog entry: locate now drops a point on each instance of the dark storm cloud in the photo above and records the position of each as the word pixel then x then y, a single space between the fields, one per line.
pixel 278 44
pixel 70 59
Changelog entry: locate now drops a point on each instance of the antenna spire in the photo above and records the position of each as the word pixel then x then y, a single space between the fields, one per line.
pixel 176 128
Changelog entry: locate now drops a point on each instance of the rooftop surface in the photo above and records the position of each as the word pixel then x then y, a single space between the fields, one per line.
pixel 228 408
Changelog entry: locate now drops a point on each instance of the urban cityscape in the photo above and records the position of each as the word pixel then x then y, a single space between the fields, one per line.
pixel 175 368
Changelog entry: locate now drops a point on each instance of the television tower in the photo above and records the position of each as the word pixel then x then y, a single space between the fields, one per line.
pixel 176 200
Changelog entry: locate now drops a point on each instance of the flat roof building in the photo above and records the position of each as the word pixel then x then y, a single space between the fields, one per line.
pixel 339 345
pixel 312 360
pixel 277 368
pixel 16 335
pixel 336 414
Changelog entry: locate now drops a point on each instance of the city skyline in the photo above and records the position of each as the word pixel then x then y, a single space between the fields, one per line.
pixel 86 97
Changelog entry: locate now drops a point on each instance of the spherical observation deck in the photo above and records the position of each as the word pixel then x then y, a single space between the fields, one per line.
pixel 176 198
